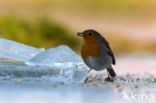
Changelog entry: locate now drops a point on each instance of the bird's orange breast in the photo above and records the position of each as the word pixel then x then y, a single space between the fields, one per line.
pixel 91 48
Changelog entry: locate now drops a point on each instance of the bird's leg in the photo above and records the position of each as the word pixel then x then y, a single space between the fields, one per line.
pixel 89 70
pixel 109 78
pixel 86 80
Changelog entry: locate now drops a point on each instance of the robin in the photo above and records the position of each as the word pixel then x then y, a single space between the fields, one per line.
pixel 97 53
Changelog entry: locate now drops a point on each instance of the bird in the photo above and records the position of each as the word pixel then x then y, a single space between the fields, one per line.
pixel 96 53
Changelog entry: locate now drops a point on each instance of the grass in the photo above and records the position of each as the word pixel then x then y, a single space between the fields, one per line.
pixel 43 32
pixel 38 32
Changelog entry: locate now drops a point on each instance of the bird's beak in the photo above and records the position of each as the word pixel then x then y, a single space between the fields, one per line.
pixel 80 34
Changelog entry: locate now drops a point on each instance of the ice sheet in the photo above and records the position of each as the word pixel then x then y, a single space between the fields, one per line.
pixel 63 74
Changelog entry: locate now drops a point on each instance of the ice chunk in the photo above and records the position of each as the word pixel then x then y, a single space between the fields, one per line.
pixel 63 58
pixel 17 51
pixel 60 54
pixel 56 64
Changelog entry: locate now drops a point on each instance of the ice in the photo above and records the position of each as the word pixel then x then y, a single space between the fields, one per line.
pixel 62 58
pixel 55 64
pixel 60 54
pixel 42 73
pixel 14 50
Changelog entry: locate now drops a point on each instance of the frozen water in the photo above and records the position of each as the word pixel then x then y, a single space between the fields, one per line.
pixel 13 50
pixel 56 64
pixel 61 58
pixel 61 54
pixel 55 74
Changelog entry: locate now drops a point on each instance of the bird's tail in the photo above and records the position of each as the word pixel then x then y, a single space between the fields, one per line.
pixel 111 71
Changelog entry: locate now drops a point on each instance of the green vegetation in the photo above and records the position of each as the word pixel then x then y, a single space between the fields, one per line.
pixel 40 32
pixel 45 33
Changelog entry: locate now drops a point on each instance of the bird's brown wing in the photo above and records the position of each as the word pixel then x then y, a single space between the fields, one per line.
pixel 109 50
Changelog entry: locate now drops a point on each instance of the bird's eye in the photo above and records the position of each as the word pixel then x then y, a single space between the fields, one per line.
pixel 90 34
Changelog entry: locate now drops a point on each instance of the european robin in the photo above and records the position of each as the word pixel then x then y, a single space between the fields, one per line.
pixel 96 53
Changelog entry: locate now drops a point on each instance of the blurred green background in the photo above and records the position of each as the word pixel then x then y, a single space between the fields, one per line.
pixel 129 25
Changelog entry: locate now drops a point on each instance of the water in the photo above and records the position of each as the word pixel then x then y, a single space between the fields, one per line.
pixel 49 94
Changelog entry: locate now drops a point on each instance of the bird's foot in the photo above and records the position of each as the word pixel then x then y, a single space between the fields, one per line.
pixel 86 80
pixel 109 79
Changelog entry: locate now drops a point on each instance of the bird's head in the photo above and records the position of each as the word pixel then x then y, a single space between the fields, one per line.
pixel 89 35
